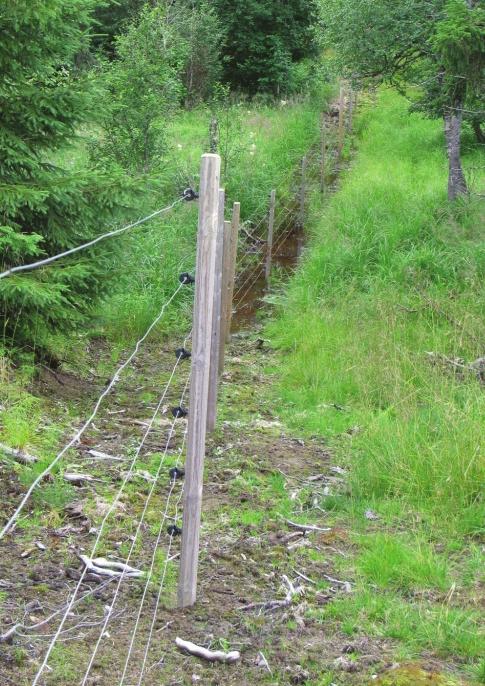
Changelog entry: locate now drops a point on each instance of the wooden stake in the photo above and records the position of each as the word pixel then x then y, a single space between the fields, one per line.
pixel 236 216
pixel 226 285
pixel 301 220
pixel 199 387
pixel 269 245
pixel 323 145
pixel 216 321
pixel 350 122
pixel 341 127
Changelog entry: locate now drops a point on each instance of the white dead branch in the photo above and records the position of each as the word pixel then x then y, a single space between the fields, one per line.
pixel 79 479
pixel 205 654
pixel 97 455
pixel 306 527
pixel 271 605
pixel 18 455
pixel 104 567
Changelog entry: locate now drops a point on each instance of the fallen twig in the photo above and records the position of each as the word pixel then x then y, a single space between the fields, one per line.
pixel 19 455
pixel 110 568
pixel 204 653
pixel 79 479
pixel 271 605
pixel 306 527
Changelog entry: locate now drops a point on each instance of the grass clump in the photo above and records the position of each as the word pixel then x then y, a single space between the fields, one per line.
pixel 378 331
pixel 393 273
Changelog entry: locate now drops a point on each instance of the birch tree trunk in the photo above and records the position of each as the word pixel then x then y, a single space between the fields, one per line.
pixel 456 179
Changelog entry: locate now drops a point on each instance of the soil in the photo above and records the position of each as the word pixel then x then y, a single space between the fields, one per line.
pixel 253 463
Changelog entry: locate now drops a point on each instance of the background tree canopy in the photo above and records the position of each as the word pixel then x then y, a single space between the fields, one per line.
pixel 264 39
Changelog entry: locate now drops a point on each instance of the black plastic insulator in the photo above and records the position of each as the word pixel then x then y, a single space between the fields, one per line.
pixel 189 194
pixel 182 354
pixel 174 530
pixel 176 473
pixel 186 278
pixel 179 412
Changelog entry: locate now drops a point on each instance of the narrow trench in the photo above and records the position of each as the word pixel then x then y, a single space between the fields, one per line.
pixel 287 251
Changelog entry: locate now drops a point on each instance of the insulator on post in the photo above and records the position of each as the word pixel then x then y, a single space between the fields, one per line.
pixel 179 412
pixel 186 278
pixel 182 354
pixel 189 194
pixel 176 473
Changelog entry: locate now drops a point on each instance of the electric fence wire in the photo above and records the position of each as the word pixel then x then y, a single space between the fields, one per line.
pixel 110 611
pixel 110 510
pixel 89 244
pixel 152 565
pixel 91 418
pixel 262 250
pixel 162 581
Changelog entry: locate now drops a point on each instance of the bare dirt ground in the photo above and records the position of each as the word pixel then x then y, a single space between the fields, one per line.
pixel 253 466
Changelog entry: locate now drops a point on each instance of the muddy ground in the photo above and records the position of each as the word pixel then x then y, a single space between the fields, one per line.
pixel 245 554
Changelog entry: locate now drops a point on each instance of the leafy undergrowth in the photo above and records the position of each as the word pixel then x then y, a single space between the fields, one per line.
pixel 259 146
pixel 262 482
pixel 382 333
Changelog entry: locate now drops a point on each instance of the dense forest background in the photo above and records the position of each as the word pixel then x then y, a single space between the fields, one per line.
pixel 116 74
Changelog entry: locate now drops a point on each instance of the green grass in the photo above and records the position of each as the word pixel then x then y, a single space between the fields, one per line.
pixel 260 148
pixel 392 273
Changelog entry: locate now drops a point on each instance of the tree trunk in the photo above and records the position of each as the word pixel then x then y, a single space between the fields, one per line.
pixel 456 179
pixel 477 128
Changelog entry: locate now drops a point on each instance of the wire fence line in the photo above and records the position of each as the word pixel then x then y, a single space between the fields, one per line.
pixel 110 510
pixel 89 244
pixel 112 605
pixel 152 566
pixel 90 419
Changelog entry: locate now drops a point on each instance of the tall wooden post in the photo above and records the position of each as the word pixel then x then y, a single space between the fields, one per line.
pixel 301 218
pixel 269 245
pixel 350 121
pixel 323 145
pixel 226 285
pixel 199 386
pixel 341 120
pixel 216 320
pixel 236 216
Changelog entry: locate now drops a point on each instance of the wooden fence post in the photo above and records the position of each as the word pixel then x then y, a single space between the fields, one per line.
pixel 216 320
pixel 301 219
pixel 323 144
pixel 341 127
pixel 226 284
pixel 269 245
pixel 350 121
pixel 236 216
pixel 199 386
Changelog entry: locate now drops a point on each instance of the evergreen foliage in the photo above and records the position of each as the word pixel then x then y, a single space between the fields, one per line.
pixel 264 39
pixel 437 45
pixel 143 90
pixel 44 208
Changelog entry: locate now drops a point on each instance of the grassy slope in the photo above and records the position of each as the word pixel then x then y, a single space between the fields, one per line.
pixel 261 146
pixel 393 272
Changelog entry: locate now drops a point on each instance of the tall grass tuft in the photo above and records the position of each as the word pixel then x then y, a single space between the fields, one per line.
pixel 386 306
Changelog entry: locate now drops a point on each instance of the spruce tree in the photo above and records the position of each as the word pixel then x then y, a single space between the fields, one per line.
pixel 264 39
pixel 45 208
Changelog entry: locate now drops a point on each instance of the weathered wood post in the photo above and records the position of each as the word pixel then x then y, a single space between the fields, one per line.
pixel 226 285
pixel 301 218
pixel 269 244
pixel 350 121
pixel 341 120
pixel 216 320
pixel 199 386
pixel 236 216
pixel 323 145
